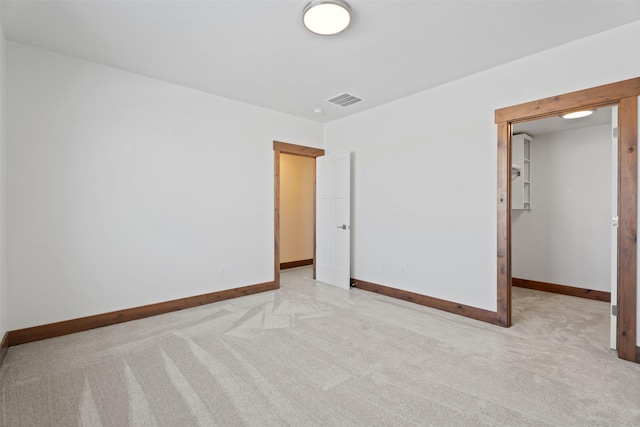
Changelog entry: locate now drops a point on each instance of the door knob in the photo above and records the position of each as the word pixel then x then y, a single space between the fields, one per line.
pixel 343 226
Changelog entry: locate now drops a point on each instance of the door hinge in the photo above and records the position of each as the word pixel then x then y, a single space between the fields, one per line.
pixel 614 310
pixel 614 221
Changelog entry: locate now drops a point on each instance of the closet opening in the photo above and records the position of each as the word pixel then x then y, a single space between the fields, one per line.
pixel 624 94
pixel 564 236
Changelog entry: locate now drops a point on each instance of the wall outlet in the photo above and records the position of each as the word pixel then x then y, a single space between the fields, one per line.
pixel 223 270
pixel 403 269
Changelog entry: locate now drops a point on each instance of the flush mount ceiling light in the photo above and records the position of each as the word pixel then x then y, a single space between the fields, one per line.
pixel 577 114
pixel 326 17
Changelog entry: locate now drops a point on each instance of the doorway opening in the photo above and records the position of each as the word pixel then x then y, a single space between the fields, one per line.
pixel 297 183
pixel 279 149
pixel 564 197
pixel 625 95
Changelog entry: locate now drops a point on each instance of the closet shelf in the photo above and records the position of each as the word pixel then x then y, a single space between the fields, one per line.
pixel 521 146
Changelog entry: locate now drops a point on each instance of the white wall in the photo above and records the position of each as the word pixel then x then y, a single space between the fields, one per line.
pixel 566 237
pixel 125 191
pixel 425 178
pixel 297 183
pixel 4 307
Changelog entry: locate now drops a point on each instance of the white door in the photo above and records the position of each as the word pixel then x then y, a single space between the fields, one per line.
pixel 333 225
pixel 614 223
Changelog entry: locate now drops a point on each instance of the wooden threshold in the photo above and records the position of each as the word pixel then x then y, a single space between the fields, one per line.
pixel 294 264
pixel 297 150
pixel 451 307
pixel 51 330
pixel 598 96
pixel 562 289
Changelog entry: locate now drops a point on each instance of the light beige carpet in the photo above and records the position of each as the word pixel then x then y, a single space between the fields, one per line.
pixel 310 354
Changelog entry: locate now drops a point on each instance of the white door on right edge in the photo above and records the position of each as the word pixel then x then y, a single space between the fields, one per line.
pixel 614 224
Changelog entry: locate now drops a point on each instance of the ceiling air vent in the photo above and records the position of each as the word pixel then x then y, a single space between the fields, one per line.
pixel 344 100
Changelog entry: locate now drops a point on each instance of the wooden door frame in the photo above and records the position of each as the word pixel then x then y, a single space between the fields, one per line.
pixel 296 150
pixel 624 94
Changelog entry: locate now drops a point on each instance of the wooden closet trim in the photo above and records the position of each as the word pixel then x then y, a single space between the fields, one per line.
pixel 595 97
pixel 624 94
pixel 296 150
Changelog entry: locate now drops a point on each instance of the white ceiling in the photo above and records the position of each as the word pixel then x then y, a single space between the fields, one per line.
pixel 258 51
